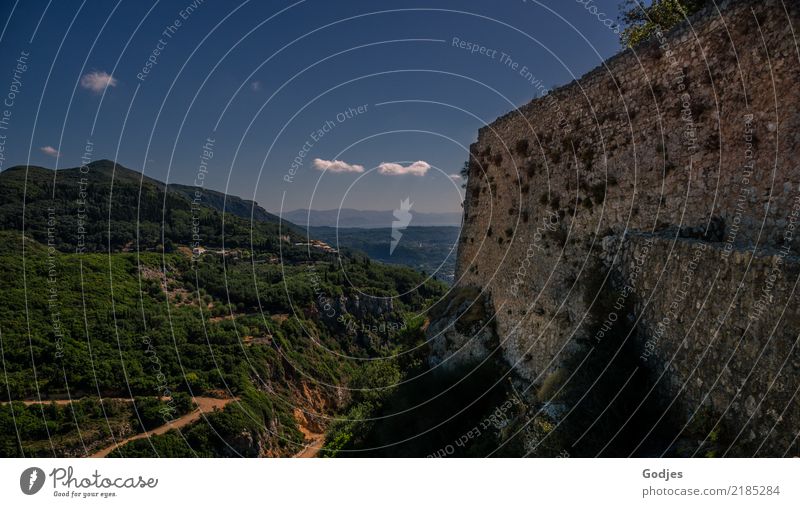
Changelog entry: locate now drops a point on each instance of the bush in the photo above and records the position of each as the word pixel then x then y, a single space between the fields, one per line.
pixel 643 22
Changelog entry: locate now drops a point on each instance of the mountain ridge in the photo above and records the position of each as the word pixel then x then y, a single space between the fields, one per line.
pixel 221 201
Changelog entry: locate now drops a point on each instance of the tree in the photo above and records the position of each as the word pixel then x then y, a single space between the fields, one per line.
pixel 643 22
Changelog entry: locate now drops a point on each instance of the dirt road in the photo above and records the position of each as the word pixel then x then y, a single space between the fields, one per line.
pixel 314 440
pixel 311 450
pixel 204 405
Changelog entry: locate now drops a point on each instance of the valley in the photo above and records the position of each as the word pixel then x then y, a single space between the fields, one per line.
pixel 132 316
pixel 430 250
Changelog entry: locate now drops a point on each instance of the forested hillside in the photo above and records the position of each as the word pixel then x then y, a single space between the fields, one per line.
pixel 111 295
pixel 103 206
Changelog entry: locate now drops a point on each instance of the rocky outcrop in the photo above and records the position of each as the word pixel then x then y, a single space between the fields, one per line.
pixel 662 191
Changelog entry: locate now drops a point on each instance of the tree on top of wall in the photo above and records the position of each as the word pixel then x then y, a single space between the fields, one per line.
pixel 642 22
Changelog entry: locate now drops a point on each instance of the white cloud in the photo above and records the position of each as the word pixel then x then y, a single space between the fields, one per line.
pixel 337 166
pixel 98 81
pixel 255 86
pixel 455 177
pixel 418 168
pixel 49 150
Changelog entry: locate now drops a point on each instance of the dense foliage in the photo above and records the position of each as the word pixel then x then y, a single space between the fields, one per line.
pixel 272 324
pixel 105 207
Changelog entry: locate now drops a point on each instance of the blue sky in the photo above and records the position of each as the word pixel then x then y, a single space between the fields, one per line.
pixel 261 77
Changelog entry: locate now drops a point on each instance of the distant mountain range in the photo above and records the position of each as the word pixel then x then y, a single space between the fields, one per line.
pixel 367 219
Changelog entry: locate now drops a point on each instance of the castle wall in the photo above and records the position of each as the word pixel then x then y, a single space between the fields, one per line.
pixel 692 139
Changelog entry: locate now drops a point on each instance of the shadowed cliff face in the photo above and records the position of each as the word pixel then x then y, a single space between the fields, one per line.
pixel 649 211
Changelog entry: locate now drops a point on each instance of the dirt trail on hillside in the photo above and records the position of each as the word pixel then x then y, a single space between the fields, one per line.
pixel 314 440
pixel 204 405
pixel 312 448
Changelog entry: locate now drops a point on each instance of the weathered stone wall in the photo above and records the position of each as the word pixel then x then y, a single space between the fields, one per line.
pixel 718 331
pixel 693 139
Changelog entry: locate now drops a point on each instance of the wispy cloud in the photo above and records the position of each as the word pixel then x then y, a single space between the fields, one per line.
pixel 456 177
pixel 98 81
pixel 49 150
pixel 337 166
pixel 255 86
pixel 418 168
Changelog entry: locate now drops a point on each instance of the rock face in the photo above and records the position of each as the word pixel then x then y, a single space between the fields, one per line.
pixel 462 330
pixel 662 190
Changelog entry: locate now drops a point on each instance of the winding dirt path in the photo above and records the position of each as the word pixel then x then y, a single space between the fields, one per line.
pixel 314 442
pixel 204 405
pixel 312 439
pixel 311 449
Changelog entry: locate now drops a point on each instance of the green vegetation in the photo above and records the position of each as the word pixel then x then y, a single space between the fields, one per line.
pixel 268 322
pixel 42 430
pixel 642 22
pixel 431 250
pixel 91 214
pixel 462 412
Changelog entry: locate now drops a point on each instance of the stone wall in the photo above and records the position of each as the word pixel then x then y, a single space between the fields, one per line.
pixel 688 149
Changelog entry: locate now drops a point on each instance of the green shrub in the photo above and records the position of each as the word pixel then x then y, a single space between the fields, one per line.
pixel 642 22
